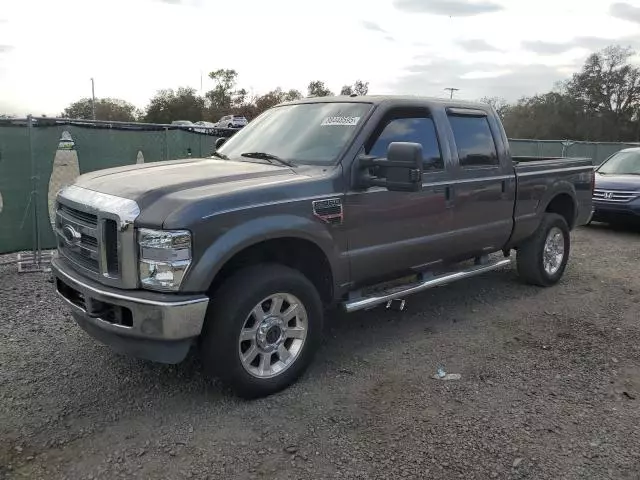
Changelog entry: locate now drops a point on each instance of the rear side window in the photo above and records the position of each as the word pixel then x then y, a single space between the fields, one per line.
pixel 476 147
pixel 413 129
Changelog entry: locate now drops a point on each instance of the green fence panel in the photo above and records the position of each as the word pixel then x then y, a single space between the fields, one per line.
pixel 550 149
pixel 99 148
pixel 16 212
pixel 523 148
pixel 45 145
pixel 106 148
pixel 183 144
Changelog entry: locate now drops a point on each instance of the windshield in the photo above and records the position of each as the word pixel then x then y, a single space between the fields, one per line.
pixel 313 133
pixel 622 163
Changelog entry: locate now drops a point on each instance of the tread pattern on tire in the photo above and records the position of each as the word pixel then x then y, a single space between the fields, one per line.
pixel 529 256
pixel 218 344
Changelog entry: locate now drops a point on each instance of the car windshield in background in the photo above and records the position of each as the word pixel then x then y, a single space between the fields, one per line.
pixel 312 133
pixel 622 163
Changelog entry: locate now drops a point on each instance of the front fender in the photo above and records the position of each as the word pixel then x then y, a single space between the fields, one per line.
pixel 216 255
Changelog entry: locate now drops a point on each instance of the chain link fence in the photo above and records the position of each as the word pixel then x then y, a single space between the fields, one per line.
pixel 39 156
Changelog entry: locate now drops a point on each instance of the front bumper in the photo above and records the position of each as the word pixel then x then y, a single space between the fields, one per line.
pixel 154 326
pixel 607 210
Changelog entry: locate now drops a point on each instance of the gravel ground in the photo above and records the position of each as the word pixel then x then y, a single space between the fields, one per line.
pixel 550 388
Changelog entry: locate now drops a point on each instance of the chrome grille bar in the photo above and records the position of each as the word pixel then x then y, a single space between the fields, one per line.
pixel 619 196
pixel 95 233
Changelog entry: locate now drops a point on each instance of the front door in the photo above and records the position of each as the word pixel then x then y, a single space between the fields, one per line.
pixel 396 232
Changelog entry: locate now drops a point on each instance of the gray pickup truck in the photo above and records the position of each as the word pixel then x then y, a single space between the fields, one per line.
pixel 350 201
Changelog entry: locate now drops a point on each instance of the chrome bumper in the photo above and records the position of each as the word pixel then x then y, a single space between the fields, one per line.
pixel 134 322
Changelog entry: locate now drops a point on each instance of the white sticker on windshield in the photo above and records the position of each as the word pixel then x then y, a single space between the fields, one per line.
pixel 340 120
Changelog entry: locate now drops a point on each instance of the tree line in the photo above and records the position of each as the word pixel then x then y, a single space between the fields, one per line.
pixel 600 102
pixel 185 103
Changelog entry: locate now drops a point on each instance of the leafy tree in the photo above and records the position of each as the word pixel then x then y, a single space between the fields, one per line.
pixel 346 90
pixel 601 102
pixel 222 95
pixel 500 105
pixel 552 115
pixel 361 88
pixel 608 90
pixel 275 97
pixel 292 95
pixel 358 88
pixel 169 105
pixel 317 88
pixel 106 109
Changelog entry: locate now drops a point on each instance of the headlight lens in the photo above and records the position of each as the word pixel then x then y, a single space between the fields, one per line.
pixel 165 256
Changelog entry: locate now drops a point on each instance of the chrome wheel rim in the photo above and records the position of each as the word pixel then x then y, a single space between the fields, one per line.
pixel 553 251
pixel 273 335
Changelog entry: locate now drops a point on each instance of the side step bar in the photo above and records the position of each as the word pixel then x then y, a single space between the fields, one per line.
pixel 435 281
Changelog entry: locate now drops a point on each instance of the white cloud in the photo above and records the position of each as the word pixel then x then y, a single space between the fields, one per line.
pixel 135 47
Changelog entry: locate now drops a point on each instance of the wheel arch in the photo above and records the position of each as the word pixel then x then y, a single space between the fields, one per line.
pixel 290 240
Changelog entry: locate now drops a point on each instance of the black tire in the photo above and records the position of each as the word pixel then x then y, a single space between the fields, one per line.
pixel 228 312
pixel 530 257
pixel 230 126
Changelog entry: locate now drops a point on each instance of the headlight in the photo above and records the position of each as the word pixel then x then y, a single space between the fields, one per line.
pixel 165 256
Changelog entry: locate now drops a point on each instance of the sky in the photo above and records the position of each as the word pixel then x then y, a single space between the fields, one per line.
pixel 50 49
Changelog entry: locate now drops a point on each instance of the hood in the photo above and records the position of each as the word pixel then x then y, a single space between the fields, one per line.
pixel 628 183
pixel 148 182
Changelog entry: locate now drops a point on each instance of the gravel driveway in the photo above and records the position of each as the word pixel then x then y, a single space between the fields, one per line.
pixel 550 388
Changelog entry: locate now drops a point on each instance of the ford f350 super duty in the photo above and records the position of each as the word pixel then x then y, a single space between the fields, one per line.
pixel 315 203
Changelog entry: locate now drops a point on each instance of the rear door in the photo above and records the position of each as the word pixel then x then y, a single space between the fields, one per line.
pixel 394 232
pixel 484 191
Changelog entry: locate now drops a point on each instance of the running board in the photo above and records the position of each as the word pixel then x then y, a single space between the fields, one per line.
pixel 435 281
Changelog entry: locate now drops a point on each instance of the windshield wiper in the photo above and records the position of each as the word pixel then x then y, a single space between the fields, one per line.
pixel 220 155
pixel 267 156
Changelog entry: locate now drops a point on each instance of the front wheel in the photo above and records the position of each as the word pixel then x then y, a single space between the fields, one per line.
pixel 262 330
pixel 543 257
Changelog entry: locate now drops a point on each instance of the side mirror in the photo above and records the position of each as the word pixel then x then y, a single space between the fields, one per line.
pixel 401 171
pixel 219 142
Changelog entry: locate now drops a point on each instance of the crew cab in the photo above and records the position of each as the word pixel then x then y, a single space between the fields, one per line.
pixel 316 203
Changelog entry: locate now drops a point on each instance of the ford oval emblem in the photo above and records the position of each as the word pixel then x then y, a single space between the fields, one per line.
pixel 71 235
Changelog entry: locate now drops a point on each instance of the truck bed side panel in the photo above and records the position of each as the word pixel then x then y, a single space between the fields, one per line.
pixel 539 182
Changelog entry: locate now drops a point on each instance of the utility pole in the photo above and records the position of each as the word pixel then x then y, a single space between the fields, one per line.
pixel 93 99
pixel 451 90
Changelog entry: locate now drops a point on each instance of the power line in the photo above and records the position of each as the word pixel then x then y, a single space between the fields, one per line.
pixel 451 90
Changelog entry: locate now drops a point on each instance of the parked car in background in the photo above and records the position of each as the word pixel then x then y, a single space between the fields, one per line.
pixel 616 197
pixel 232 121
pixel 183 123
pixel 204 127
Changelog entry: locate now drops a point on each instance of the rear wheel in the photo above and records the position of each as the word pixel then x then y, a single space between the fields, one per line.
pixel 543 257
pixel 262 330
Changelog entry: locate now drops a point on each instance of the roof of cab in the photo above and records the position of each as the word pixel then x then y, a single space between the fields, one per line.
pixel 401 100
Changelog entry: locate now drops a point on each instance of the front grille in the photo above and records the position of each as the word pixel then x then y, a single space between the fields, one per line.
pixel 87 218
pixel 88 241
pixel 96 235
pixel 618 196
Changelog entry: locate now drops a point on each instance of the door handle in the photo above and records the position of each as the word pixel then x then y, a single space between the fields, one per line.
pixel 504 186
pixel 448 195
